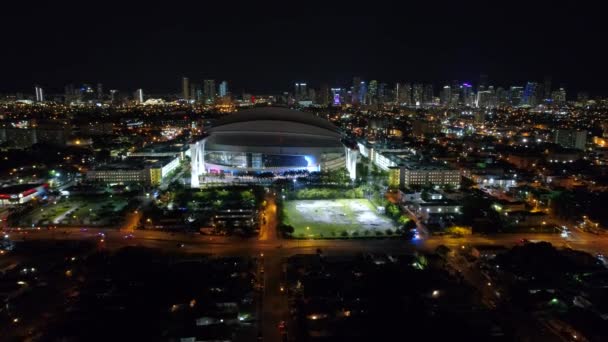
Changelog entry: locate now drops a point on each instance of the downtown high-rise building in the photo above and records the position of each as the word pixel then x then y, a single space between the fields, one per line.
pixel 445 96
pixel 39 94
pixel 363 92
pixel 516 94
pixel 559 96
pixel 337 96
pixel 209 91
pixel 428 94
pixel 384 93
pixel 69 93
pixel 468 97
pixel 403 94
pixel 502 96
pixel 99 91
pixel 486 98
pixel 323 96
pixel 186 88
pixel 530 95
pixel 356 91
pixel 195 93
pixel 114 96
pixel 223 89
pixel 417 94
pixel 139 96
pixel 300 92
pixel 547 91
pixel 372 92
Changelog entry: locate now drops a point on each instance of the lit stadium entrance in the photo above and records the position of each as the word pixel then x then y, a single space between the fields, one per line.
pixel 270 140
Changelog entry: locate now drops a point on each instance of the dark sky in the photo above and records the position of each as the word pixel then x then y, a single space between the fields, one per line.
pixel 264 47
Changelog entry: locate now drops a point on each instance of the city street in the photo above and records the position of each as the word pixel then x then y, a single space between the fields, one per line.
pixel 274 307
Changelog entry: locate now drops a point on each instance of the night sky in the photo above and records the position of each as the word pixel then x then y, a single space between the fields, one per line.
pixel 267 47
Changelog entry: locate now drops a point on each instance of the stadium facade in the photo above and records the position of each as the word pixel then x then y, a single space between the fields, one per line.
pixel 270 139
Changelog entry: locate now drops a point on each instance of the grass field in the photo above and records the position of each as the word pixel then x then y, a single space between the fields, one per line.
pixel 330 218
pixel 76 210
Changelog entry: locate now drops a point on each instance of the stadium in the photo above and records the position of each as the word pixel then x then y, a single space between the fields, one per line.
pixel 270 139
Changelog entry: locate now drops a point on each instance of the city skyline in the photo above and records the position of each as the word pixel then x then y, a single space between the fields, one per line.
pixel 265 49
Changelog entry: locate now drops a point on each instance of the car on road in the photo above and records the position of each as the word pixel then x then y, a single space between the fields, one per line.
pixel 282 325
pixel 129 236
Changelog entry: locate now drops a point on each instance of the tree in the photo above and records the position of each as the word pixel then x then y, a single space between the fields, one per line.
pixel 393 210
pixel 409 225
pixel 286 229
pixel 247 196
pixel 403 219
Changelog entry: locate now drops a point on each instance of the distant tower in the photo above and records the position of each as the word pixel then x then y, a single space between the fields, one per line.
pixel 428 94
pixel 69 93
pixel 186 88
pixel 356 91
pixel 530 96
pixel 547 87
pixel 223 89
pixel 300 92
pixel 515 95
pixel 445 96
pixel 372 92
pixel 417 91
pixel 467 94
pixel 362 92
pixel 113 96
pixel 99 91
pixel 39 94
pixel 209 91
pixel 323 97
pixel 139 95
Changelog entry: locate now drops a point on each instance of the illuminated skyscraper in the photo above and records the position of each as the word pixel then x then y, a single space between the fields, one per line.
pixel 139 96
pixel 300 92
pixel 99 91
pixel 547 88
pixel 372 92
pixel 427 97
pixel 530 95
pixel 223 89
pixel 362 92
pixel 113 96
pixel 323 96
pixel 209 91
pixel 515 95
pixel 185 88
pixel 468 98
pixel 383 93
pixel 336 96
pixel 417 94
pixel 195 93
pixel 486 98
pixel 559 96
pixel 39 94
pixel 445 96
pixel 356 91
